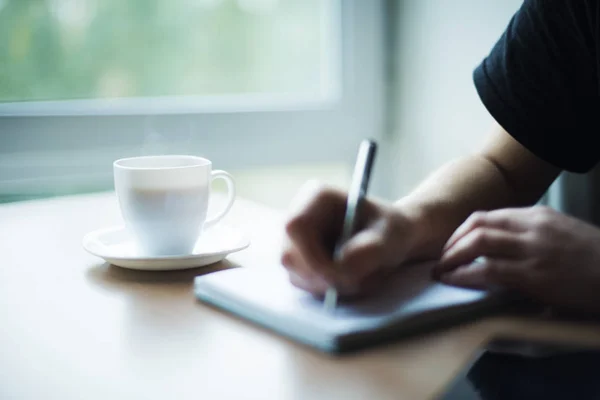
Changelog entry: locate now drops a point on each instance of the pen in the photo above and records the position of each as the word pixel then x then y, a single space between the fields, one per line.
pixel 357 192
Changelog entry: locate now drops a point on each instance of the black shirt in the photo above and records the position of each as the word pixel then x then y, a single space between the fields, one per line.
pixel 541 81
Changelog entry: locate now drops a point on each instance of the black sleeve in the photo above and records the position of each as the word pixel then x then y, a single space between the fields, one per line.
pixel 540 81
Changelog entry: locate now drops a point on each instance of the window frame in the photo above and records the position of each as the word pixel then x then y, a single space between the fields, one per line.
pixel 57 145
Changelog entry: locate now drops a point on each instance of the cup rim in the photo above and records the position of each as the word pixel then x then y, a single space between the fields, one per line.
pixel 200 162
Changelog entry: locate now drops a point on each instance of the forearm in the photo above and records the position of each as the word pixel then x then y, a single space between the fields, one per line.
pixel 444 200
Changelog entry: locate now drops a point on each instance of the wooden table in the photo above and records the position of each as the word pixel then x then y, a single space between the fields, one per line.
pixel 73 327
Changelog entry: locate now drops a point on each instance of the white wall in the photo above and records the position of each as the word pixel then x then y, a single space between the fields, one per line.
pixel 436 113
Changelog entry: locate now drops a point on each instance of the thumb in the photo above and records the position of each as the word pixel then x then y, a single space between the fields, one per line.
pixel 362 254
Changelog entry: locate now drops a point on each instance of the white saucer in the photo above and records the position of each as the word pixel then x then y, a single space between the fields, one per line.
pixel 116 246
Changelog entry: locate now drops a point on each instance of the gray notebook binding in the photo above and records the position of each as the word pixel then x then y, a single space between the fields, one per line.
pixel 409 302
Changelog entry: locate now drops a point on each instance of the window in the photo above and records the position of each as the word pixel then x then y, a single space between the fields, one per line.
pixel 246 83
pixel 109 49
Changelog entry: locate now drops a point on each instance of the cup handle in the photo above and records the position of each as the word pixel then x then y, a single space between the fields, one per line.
pixel 219 174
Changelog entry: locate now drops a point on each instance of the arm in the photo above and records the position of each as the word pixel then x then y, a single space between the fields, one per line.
pixel 502 174
pixel 539 82
pixel 415 227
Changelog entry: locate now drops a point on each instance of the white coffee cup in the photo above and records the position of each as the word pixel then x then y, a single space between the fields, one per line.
pixel 164 200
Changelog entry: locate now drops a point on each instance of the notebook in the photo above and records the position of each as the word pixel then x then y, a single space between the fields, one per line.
pixel 410 302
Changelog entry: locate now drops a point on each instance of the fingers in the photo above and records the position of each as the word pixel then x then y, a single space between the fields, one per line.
pixel 317 206
pixel 482 241
pixel 312 287
pixel 489 273
pixel 313 220
pixel 496 234
pixel 360 257
pixel 301 273
pixel 313 228
pixel 306 241
pixel 367 286
pixel 504 219
pixel 355 272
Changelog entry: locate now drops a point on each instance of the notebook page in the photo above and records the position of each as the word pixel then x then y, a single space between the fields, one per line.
pixel 268 292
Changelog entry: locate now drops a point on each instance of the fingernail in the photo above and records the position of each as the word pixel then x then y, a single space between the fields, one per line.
pixel 447 245
pixel 446 255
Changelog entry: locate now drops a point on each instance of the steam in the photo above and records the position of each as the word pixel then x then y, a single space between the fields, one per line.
pixel 174 137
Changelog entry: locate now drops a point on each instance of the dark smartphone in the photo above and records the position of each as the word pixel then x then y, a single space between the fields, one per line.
pixel 514 368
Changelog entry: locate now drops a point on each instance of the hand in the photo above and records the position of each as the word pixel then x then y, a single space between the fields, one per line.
pixel 540 252
pixel 315 224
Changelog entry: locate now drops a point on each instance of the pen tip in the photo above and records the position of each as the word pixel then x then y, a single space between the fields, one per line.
pixel 330 300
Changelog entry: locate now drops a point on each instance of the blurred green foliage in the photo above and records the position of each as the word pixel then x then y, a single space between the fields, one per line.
pixel 81 49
